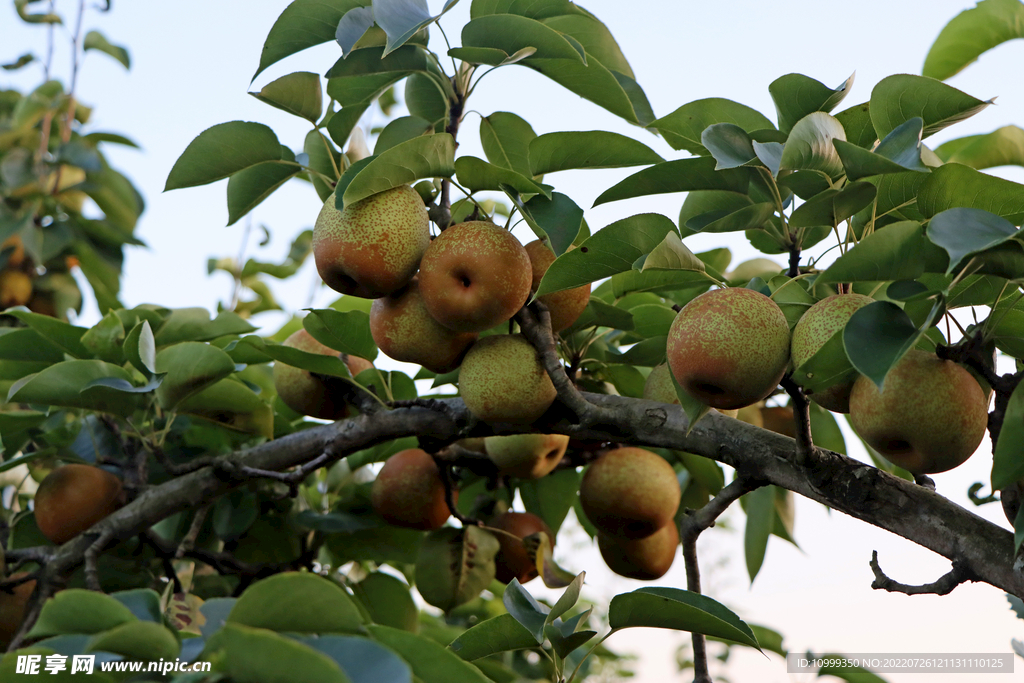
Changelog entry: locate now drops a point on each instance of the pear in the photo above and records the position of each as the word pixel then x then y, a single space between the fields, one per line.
pixel 815 327
pixel 526 456
pixel 474 275
pixel 779 419
pixel 408 491
pixel 373 247
pixel 15 288
pixel 74 497
pixel 565 306
pixel 757 267
pixel 512 560
pixel 12 608
pixel 630 492
pixel 306 394
pixel 502 380
pixel 930 416
pixel 729 348
pixel 645 558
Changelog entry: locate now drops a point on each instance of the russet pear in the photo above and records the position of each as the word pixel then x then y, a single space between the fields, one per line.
pixel 729 347
pixel 309 395
pixel 12 608
pixel 512 560
pixel 502 380
pixel 565 306
pixel 371 247
pixel 630 492
pixel 408 491
pixel 474 275
pixel 930 416
pixel 74 497
pixel 646 558
pixel 527 456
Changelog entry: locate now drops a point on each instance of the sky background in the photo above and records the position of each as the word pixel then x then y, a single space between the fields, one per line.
pixel 192 63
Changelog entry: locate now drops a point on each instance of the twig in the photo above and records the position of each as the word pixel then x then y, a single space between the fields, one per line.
pixel 944 585
pixel 189 541
pixel 449 493
pixel 801 419
pixel 91 558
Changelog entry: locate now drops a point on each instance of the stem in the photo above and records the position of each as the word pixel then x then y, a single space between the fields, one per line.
pixel 589 652
pixel 330 153
pixel 700 650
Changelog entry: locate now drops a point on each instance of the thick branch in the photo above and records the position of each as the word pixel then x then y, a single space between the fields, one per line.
pixel 944 585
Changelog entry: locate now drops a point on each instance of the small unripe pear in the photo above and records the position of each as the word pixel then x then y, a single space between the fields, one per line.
pixel 501 380
pixel 409 492
pixel 729 348
pixel 474 275
pixel 512 561
pixel 372 247
pixel 306 394
pixel 660 387
pixel 630 492
pixel 815 327
pixel 565 306
pixel 645 558
pixel 527 456
pixel 930 416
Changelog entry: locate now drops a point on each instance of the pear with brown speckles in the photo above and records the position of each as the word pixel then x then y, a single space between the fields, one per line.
pixel 302 392
pixel 502 380
pixel 646 558
pixel 630 492
pixel 565 306
pixel 372 247
pixel 475 275
pixel 729 348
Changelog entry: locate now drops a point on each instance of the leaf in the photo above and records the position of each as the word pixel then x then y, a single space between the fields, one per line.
pixel 506 141
pixel 362 660
pixel 76 610
pixel 222 150
pixel 476 174
pixel 387 599
pixel 963 232
pixel 140 349
pixel 511 33
pixel 399 130
pixel 832 207
pixel 672 254
pixel 255 654
pixel 729 145
pixel 557 218
pixel 682 128
pixel 140 640
pixel 828 367
pixel 303 24
pixel 57 332
pixel 190 367
pixel 796 96
pixel 751 217
pixel 971 33
pixel 525 609
pixel 94 40
pixel 955 185
pixel 455 565
pixel 594 36
pixel 809 146
pixel 430 662
pixel 760 515
pixel 70 384
pixel 876 337
pixel 681 175
pixel 672 608
pixel 194 324
pixel 321 364
pixel 613 91
pixel 280 603
pixel 551 496
pixel 613 249
pixel 899 251
pixel 1008 458
pixel 900 151
pixel 899 98
pixel 297 93
pixel 249 187
pixel 22 61
pixel 348 332
pixel 1002 147
pixel 231 403
pixel 401 19
pixel 492 636
pixel 587 149
pixel 356 22
pixel 428 156
pixel 857 123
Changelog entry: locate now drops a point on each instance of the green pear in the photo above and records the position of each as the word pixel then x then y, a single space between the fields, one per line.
pixel 815 327
pixel 527 456
pixel 309 395
pixel 372 247
pixel 930 416
pixel 565 306
pixel 729 348
pixel 404 331
pixel 645 558
pixel 502 380
pixel 408 491
pixel 630 492
pixel 474 275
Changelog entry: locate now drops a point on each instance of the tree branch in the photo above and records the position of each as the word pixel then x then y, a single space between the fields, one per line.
pixel 944 585
pixel 801 418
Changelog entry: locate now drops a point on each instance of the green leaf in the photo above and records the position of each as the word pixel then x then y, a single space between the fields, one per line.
pixel 511 33
pixel 94 40
pixel 695 410
pixel 190 367
pixel 59 333
pixel 76 610
pixel 899 251
pixel 876 337
pixel 348 332
pixel 594 36
pixel 955 185
pixel 832 207
pixel 681 175
pixel 255 654
pixel 672 254
pixel 760 515
pixel 1002 147
pixel 613 249
pixel 809 146
pixel 386 598
pixel 362 660
pixel 492 636
pixel 682 128
pixel 550 497
pixel 826 431
pixel 321 364
pixel 681 610
pixel 402 19
pixel 506 141
pixel 249 187
pixel 428 156
pixel 652 320
pixel 194 324
pixel 900 151
pixel 599 314
pixel 320 150
pixel 751 217
pixel 557 218
pixel 587 149
pixel 281 602
pixel 706 201
pixel 611 90
pixel 729 145
pixel 232 404
pixel 525 609
pixel 222 150
pixel 476 174
pixel 297 93
pixel 963 232
pixel 796 96
pixel 22 61
pixel 303 24
pixel 857 123
pixel 399 130
pixel 971 33
pixel 1008 459
pixel 826 368
pixel 142 640
pixel 70 384
pixel 430 662
pixel 568 599
pixel 356 22
pixel 899 98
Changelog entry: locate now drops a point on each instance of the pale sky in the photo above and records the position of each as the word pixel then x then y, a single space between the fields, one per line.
pixel 191 66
